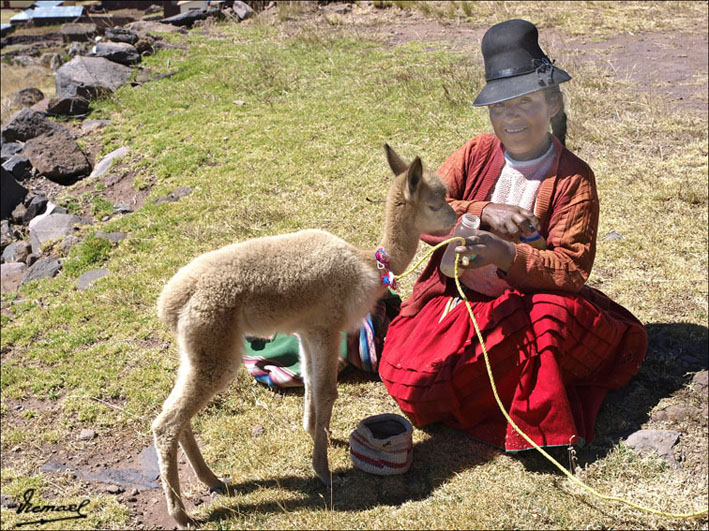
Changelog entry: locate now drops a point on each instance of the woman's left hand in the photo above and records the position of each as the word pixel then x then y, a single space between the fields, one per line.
pixel 488 248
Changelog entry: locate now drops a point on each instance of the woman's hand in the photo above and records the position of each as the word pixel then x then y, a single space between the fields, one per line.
pixel 488 248
pixel 509 221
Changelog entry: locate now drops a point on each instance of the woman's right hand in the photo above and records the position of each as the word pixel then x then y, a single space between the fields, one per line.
pixel 509 221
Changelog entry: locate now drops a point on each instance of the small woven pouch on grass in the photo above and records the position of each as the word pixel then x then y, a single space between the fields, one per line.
pixel 382 445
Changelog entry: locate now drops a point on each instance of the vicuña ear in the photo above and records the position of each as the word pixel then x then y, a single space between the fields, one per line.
pixel 397 165
pixel 413 178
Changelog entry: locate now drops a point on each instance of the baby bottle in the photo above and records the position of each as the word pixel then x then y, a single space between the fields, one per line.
pixel 467 226
pixel 535 240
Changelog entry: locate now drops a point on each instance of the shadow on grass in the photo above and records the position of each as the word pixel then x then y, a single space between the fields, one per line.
pixel 675 352
pixel 437 459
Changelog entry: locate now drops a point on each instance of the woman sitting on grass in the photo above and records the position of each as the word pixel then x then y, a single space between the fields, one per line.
pixel 556 346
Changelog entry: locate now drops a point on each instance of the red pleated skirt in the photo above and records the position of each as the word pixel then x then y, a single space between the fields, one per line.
pixel 554 357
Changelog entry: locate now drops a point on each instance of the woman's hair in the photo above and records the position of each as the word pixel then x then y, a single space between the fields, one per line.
pixel 558 121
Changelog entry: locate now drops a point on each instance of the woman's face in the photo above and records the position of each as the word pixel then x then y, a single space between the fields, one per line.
pixel 522 123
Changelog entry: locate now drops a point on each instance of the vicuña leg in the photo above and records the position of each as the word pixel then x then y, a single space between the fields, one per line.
pixel 204 371
pixel 204 473
pixel 321 349
pixel 309 405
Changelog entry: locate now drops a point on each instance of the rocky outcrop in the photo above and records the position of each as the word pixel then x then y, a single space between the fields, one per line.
pixel 17 252
pixel 144 27
pixel 57 156
pixel 88 278
pixel 658 441
pixel 90 77
pixel 19 166
pixel 27 124
pixel 51 227
pixel 119 34
pixel 27 96
pixel 9 149
pixel 105 163
pixel 243 10
pixel 188 18
pixel 68 105
pixel 11 275
pixel 118 52
pixel 42 268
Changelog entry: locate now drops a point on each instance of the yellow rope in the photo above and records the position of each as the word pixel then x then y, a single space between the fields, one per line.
pixel 507 416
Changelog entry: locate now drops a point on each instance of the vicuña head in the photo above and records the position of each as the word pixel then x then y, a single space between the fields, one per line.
pixel 416 204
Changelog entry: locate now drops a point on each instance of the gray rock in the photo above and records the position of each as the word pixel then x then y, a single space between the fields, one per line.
pixel 114 489
pixel 16 252
pixel 144 27
pixel 90 77
pixel 700 381
pixel 36 206
pixel 86 434
pixel 121 208
pixel 11 276
pixel 27 124
pixel 42 268
pixel 27 96
pixel 113 237
pixel 19 166
pixel 188 18
pixel 51 60
pixel 57 156
pixel 613 235
pixel 92 125
pixel 119 34
pixel 68 105
pixel 659 441
pixel 676 413
pixel 79 32
pixel 243 10
pixel 176 194
pixel 68 242
pixel 11 193
pixel 32 258
pixel 105 163
pixel 85 280
pixel 145 45
pixel 51 227
pixel 9 149
pixel 118 52
pixel 6 235
pixel 18 214
pixel 41 106
pixel 76 48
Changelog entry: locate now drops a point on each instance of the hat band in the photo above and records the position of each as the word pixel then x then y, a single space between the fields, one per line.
pixel 539 65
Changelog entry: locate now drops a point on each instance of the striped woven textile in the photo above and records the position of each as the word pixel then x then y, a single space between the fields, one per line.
pixel 276 361
pixel 382 445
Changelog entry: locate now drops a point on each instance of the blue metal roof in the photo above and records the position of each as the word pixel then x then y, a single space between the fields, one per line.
pixel 49 12
pixel 48 3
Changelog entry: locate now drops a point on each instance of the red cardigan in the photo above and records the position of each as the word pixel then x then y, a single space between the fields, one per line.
pixel 567 207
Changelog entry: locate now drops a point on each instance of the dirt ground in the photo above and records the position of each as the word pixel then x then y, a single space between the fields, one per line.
pixel 669 63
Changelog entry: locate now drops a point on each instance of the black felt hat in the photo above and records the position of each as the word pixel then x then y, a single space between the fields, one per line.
pixel 514 63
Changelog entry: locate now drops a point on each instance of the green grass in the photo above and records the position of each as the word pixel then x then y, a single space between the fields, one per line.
pixel 306 151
